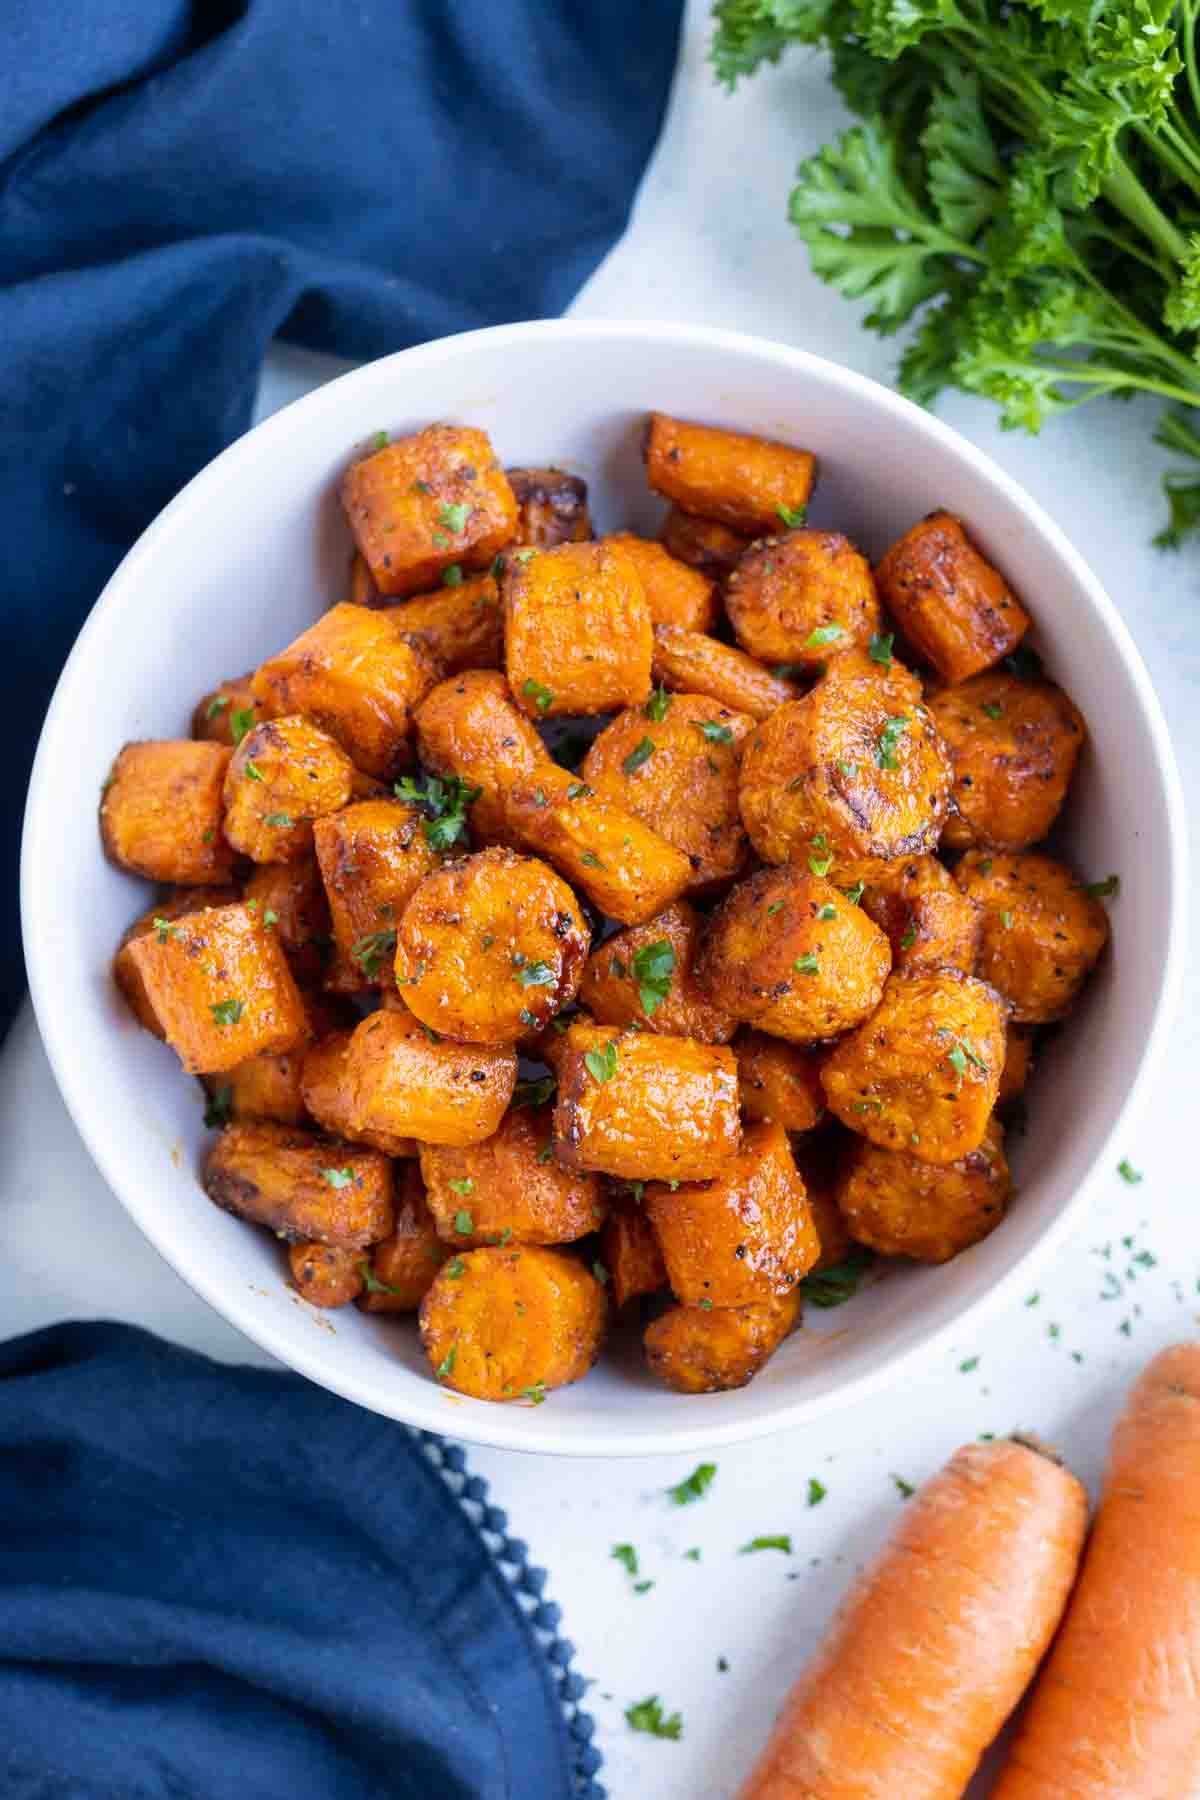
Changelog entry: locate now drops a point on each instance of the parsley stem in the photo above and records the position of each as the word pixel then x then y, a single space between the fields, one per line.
pixel 1122 189
pixel 1188 34
pixel 1172 149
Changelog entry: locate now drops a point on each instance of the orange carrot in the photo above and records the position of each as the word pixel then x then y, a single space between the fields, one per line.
pixel 934 1647
pixel 1115 1713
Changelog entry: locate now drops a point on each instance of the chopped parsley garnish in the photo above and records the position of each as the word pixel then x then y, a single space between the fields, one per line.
pixel 602 1064
pixel 379 441
pixel 808 964
pixel 216 705
pixel 834 1286
pixel 823 634
pixel 1127 1172
pixel 910 936
pixel 905 1489
pixel 889 739
pixel 880 648
pixel 444 800
pixel 217 1108
pixel 716 734
pixel 542 697
pixel 957 1058
pixel 546 1153
pixel 775 906
pixel 226 1012
pixel 454 515
pixel 373 1285
pixel 590 860
pixel 338 1178
pixel 627 1556
pixel 985 866
pixel 253 772
pixel 579 790
pixel 792 515
pixel 854 894
pixel 534 1394
pixel 816 1491
pixel 781 1541
pixel 524 556
pixel 369 952
pixel 647 1715
pixel 534 1092
pixel 1104 890
pixel 241 720
pixel 281 821
pixel 827 912
pixel 641 754
pixel 722 1665
pixel 653 966
pixel 464 1224
pixel 1024 663
pixel 658 705
pixel 694 1486
pixel 163 929
pixel 536 974
pixel 452 576
pixel 1006 919
pixel 993 709
pixel 968 1365
pixel 447 1363
pixel 692 1555
pixel 463 1185
pixel 600 1272
pixel 820 857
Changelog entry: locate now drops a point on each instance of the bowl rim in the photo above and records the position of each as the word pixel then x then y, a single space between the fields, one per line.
pixel 495 1427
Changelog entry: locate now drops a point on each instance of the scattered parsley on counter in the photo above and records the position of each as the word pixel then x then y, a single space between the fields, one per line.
pixel 692 1555
pixel 816 1491
pixel 1125 1168
pixel 647 1715
pixel 695 1486
pixel 1107 889
pixel 905 1489
pixel 627 1556
pixel 722 1665
pixel 782 1541
pixel 970 1363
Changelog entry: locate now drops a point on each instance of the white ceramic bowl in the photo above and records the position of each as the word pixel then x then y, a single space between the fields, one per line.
pixel 255 547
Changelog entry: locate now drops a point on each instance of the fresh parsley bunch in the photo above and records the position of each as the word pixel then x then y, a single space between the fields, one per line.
pixel 1025 182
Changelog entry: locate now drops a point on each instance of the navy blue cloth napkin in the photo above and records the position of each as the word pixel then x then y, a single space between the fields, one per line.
pixel 181 182
pixel 227 1584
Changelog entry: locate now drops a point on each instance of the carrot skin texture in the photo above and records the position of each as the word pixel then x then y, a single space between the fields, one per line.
pixel 933 1649
pixel 1114 1713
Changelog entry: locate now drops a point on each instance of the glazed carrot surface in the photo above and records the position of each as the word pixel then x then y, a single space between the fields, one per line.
pixel 1115 1714
pixel 933 1648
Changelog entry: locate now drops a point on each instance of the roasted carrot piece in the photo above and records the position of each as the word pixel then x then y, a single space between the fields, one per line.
pixel 703 544
pixel 675 593
pixel 694 663
pixel 552 507
pixel 460 626
pixel 932 1650
pixel 751 483
pixel 1113 1715
pixel 952 604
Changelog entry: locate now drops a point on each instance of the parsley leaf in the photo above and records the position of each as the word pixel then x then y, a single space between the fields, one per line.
pixel 792 516
pixel 226 1012
pixel 241 720
pixel 627 1556
pixel 602 1064
pixel 446 1366
pixel 889 739
pixel 464 1224
pixel 816 1491
pixel 536 974
pixel 454 515
pixel 653 966
pixel 534 1092
pixel 694 1486
pixel 838 1283
pixel 217 1108
pixel 370 952
pixel 279 821
pixel 641 754
pixel 1127 1172
pixel 880 648
pixel 658 705
pixel 444 800
pixel 216 705
pixel 781 1541
pixel 808 964
pixel 373 1285
pixel 716 734
pixel 462 1185
pixel 452 576
pixel 338 1178
pixel 542 697
pixel 820 856
pixel 823 634
pixel 1107 889
pixel 647 1715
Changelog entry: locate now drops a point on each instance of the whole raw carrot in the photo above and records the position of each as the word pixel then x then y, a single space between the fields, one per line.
pixel 934 1647
pixel 1115 1714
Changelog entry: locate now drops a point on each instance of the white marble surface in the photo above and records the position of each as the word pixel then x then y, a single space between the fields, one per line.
pixel 709 242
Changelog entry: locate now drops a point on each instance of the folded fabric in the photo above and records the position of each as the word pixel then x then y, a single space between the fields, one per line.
pixel 227 1584
pixel 180 182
